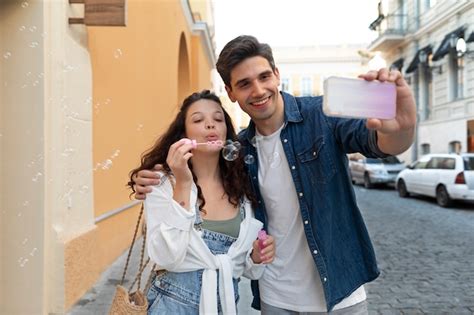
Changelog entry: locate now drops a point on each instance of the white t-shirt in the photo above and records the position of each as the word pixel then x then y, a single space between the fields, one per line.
pixel 291 281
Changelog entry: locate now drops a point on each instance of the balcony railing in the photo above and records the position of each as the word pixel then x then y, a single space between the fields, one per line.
pixel 390 24
pixel 391 29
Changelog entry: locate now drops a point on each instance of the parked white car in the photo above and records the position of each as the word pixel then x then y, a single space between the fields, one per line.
pixel 375 171
pixel 446 177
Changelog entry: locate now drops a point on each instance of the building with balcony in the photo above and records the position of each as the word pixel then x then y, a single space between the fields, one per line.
pixel 432 43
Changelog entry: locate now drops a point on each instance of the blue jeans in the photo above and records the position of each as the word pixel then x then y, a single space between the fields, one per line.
pixel 180 292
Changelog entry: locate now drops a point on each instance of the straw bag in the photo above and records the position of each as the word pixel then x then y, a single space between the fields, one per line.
pixel 125 301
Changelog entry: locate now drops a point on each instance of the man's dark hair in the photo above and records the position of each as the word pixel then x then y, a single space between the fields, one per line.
pixel 239 49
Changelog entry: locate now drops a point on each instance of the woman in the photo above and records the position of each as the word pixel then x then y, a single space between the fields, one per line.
pixel 199 218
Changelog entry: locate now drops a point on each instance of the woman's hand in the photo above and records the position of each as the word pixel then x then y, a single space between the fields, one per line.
pixel 264 254
pixel 178 157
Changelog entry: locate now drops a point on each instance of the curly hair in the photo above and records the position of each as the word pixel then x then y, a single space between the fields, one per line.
pixel 233 174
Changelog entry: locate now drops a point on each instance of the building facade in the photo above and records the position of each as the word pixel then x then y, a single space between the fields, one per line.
pixel 432 43
pixel 304 69
pixel 78 106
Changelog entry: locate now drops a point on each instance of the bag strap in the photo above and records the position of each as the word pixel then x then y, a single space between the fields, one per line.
pixel 142 255
pixel 133 243
pixel 143 265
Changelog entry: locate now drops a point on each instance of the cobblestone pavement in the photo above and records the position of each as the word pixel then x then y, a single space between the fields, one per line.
pixel 425 254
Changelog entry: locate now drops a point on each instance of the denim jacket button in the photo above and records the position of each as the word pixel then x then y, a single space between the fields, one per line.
pixel 315 252
pixel 306 222
pixel 325 279
pixel 285 140
pixel 293 167
pixel 301 194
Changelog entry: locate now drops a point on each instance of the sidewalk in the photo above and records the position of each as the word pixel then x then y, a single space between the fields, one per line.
pixel 98 299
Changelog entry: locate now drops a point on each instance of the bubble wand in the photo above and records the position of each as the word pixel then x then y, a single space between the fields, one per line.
pixel 194 143
pixel 262 237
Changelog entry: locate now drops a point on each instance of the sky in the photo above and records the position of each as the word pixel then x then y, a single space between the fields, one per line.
pixel 295 22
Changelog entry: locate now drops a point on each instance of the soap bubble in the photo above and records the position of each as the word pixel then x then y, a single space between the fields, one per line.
pixel 275 160
pixel 237 145
pixel 230 152
pixel 118 53
pixel 107 164
pixel 255 140
pixel 249 159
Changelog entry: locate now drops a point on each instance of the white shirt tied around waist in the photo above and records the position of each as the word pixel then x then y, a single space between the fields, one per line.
pixel 174 245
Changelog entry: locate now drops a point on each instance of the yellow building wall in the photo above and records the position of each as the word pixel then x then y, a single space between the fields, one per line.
pixel 135 96
pixel 201 67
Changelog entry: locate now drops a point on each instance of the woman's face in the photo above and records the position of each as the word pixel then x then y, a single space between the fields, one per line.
pixel 205 122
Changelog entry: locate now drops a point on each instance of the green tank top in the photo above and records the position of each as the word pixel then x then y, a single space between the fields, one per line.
pixel 229 227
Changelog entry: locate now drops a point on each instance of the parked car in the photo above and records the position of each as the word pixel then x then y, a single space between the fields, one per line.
pixel 375 171
pixel 446 177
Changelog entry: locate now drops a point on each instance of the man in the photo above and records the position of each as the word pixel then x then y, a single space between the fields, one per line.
pixel 324 255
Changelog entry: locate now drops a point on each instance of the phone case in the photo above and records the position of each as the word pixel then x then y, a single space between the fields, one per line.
pixel 345 97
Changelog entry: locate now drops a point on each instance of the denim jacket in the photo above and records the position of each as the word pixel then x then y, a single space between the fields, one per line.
pixel 315 146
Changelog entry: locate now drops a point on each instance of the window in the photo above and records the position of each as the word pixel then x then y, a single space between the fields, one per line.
pixel 447 164
pixel 454 147
pixel 456 76
pixel 468 163
pixel 391 160
pixel 426 87
pixel 420 165
pixel 425 148
pixel 442 163
pixel 433 163
pixel 285 85
pixel 373 161
pixel 425 5
pixel 306 86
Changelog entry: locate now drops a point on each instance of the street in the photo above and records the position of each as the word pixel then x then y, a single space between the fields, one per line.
pixel 425 254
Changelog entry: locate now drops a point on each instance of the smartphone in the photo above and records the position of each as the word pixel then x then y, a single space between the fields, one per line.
pixel 346 97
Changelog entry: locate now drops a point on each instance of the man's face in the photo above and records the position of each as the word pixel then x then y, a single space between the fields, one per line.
pixel 254 85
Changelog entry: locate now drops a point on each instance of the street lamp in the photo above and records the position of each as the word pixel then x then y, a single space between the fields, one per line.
pixel 461 49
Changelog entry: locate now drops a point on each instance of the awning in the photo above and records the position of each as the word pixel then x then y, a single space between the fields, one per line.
pixel 416 60
pixel 445 45
pixel 397 64
pixel 470 38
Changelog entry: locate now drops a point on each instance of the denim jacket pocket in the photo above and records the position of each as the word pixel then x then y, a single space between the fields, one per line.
pixel 315 159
